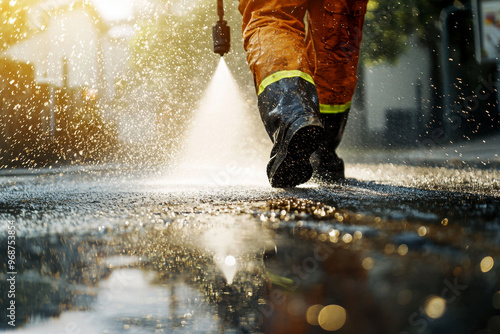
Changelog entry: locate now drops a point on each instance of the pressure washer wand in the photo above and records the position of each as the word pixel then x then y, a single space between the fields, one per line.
pixel 221 32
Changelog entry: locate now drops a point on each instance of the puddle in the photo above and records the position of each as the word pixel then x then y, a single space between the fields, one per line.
pixel 130 301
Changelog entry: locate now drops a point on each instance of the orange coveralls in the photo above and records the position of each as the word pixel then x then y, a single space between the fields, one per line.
pixel 278 45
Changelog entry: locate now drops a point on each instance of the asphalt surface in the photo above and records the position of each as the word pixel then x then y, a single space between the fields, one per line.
pixel 397 248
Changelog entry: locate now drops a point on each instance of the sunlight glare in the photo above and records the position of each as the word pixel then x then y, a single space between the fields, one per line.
pixel 115 10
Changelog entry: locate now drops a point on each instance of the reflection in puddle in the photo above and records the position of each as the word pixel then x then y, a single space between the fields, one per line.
pixel 228 265
pixel 288 268
pixel 129 300
pixel 235 246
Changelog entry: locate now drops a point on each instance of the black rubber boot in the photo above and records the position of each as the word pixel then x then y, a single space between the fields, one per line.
pixel 289 109
pixel 328 167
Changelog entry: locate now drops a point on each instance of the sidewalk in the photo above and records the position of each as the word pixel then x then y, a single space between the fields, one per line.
pixel 480 153
pixel 485 151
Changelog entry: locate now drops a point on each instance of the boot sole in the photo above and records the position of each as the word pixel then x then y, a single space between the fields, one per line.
pixel 290 166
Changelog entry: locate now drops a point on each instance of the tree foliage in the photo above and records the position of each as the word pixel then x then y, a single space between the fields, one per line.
pixel 390 23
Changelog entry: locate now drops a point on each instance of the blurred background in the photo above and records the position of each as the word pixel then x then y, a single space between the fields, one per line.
pixel 84 81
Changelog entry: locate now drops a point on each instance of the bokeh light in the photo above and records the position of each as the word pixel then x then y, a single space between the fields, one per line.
pixel 367 263
pixel 313 313
pixel 487 264
pixel 389 249
pixel 332 317
pixel 347 238
pixel 435 307
pixel 402 250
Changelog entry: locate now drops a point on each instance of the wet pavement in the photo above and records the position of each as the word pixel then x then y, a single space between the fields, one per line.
pixel 394 249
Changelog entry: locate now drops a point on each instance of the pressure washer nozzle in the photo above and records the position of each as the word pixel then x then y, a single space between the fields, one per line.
pixel 222 37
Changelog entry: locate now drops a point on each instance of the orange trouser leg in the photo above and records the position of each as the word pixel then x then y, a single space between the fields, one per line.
pixel 274 37
pixel 333 44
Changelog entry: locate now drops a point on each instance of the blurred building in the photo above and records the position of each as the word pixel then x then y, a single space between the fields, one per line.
pixel 58 81
pixel 398 96
pixel 16 88
pixel 437 91
pixel 73 34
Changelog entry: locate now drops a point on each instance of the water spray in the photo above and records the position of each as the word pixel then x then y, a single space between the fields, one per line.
pixel 221 32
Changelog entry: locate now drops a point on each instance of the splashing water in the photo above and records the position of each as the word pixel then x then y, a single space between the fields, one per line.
pixel 222 147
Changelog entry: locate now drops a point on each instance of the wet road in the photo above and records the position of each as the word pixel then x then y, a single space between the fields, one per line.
pixel 395 249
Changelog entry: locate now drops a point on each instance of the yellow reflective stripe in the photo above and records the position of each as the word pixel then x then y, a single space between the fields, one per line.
pixel 334 108
pixel 281 75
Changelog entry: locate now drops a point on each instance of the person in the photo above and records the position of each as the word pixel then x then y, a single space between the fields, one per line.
pixel 305 79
